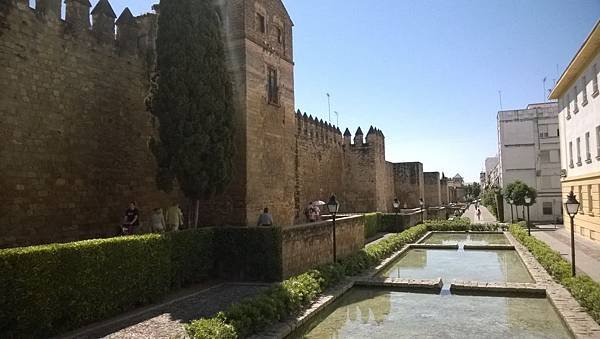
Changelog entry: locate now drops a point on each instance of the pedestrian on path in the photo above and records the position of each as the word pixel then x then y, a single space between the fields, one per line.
pixel 265 218
pixel 478 214
pixel 174 217
pixel 158 221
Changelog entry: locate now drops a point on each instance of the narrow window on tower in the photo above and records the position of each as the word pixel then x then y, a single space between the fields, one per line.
pixel 272 87
pixel 260 23
pixel 575 104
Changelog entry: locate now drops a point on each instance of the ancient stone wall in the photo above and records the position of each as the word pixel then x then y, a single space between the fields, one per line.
pixel 444 192
pixel 75 131
pixel 319 163
pixel 309 245
pixel 360 194
pixel 432 188
pixel 408 183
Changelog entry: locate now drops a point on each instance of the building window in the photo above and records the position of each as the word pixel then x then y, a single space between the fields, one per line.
pixel 547 208
pixel 543 131
pixel 260 23
pixel 272 88
pixel 575 106
pixel 578 151
pixel 598 142
pixel 544 156
pixel 568 106
pixel 584 100
pixel 595 81
pixel 571 154
pixel 588 155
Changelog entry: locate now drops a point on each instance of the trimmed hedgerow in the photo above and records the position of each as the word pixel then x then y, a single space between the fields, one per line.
pixel 54 288
pixel 249 253
pixel 458 224
pixel 373 224
pixel 292 295
pixel 192 256
pixel 582 288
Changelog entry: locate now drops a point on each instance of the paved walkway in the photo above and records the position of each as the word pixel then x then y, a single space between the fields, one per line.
pixel 587 252
pixel 486 216
pixel 167 319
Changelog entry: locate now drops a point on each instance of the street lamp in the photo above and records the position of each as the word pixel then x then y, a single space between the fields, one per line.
pixel 333 206
pixel 396 207
pixel 572 206
pixel 527 202
pixel 510 202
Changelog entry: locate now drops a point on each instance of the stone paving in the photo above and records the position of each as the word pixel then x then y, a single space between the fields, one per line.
pixel 587 252
pixel 486 216
pixel 166 320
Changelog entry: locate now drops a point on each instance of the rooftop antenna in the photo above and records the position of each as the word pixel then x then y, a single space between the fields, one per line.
pixel 329 105
pixel 544 82
pixel 337 118
pixel 500 96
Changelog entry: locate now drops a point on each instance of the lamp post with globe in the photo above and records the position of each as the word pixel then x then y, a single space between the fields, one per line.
pixel 572 206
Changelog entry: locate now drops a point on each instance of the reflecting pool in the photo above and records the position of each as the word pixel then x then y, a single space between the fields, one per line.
pixel 466 238
pixel 377 313
pixel 477 265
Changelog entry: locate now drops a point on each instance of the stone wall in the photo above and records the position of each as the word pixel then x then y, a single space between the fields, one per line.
pixel 408 183
pixel 74 129
pixel 432 188
pixel 309 245
pixel 319 163
pixel 444 192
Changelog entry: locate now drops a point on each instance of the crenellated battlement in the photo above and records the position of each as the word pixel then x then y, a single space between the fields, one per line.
pixel 317 130
pixel 98 25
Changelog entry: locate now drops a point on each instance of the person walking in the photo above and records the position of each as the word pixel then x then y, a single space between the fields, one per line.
pixel 174 217
pixel 158 221
pixel 478 214
pixel 265 218
pixel 131 220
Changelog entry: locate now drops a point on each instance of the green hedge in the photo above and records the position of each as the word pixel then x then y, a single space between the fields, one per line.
pixel 292 295
pixel 51 289
pixel 582 288
pixel 373 224
pixel 249 253
pixel 54 288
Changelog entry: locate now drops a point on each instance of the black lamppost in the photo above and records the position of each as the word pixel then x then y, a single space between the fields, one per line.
pixel 528 202
pixel 421 203
pixel 333 206
pixel 396 208
pixel 510 202
pixel 572 206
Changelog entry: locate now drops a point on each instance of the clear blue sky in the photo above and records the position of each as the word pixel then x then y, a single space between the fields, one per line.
pixel 428 72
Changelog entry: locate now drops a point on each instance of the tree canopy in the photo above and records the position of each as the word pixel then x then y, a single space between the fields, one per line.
pixel 518 190
pixel 473 190
pixel 192 98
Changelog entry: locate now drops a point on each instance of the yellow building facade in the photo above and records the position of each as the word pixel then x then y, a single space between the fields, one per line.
pixel 579 125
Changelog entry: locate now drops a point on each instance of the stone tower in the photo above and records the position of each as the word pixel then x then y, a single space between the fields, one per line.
pixel 259 41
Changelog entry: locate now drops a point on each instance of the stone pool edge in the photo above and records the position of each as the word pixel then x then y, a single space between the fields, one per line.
pixel 579 322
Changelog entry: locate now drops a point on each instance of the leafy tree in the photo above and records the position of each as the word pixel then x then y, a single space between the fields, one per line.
pixel 473 191
pixel 517 191
pixel 488 199
pixel 192 98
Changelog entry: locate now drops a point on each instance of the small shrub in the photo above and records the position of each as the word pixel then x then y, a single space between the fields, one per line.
pixel 212 328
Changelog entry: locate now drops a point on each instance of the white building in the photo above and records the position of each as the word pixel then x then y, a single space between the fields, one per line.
pixel 529 150
pixel 491 172
pixel 579 105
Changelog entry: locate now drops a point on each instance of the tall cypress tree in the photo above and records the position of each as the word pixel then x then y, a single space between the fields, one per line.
pixel 192 98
